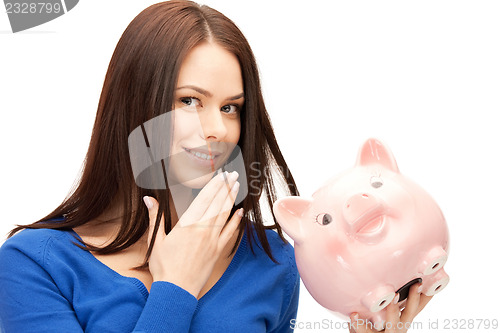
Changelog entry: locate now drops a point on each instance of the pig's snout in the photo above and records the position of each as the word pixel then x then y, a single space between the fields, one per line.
pixel 364 215
pixel 358 205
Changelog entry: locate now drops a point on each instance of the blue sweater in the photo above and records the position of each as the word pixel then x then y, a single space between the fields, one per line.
pixel 47 284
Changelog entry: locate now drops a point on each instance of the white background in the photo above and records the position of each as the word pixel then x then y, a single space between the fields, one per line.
pixel 422 76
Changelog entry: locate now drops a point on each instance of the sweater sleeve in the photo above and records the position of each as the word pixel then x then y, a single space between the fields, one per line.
pixel 30 300
pixel 290 312
pixel 291 302
pixel 169 308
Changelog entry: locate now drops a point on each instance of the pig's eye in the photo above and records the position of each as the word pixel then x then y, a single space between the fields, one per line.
pixel 324 219
pixel 376 182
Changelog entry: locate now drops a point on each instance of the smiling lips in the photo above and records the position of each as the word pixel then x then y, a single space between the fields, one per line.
pixel 203 154
pixel 203 158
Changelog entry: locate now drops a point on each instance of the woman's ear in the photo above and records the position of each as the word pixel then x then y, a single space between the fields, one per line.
pixel 289 212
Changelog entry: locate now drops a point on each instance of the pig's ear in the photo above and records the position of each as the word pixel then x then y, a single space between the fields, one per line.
pixel 289 212
pixel 374 151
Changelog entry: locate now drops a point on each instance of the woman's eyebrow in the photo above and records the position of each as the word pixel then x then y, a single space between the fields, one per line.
pixel 209 94
pixel 197 89
pixel 236 97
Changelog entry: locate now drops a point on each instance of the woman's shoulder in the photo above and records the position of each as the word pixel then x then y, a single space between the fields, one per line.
pixel 29 236
pixel 34 243
pixel 275 241
pixel 284 273
pixel 281 250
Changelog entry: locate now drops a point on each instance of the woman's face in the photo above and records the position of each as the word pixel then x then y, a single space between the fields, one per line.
pixel 207 102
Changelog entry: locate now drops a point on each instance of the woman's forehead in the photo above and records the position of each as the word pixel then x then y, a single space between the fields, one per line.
pixel 213 69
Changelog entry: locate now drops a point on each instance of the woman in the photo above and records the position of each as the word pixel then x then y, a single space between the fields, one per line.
pixel 195 256
pixel 102 261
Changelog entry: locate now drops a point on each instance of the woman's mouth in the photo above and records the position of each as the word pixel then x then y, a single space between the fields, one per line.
pixel 200 155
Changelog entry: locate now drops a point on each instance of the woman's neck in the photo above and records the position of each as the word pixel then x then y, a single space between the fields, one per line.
pixel 103 229
pixel 180 199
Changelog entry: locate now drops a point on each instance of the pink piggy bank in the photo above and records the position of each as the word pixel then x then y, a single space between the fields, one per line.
pixel 366 235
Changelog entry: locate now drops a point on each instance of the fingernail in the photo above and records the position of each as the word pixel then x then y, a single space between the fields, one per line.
pixel 235 187
pixel 233 176
pixel 223 175
pixel 148 202
pixel 240 212
pixel 420 289
pixel 396 299
pixel 356 317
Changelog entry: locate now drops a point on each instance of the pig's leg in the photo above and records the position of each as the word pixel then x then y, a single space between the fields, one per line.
pixel 379 298
pixel 433 261
pixel 435 283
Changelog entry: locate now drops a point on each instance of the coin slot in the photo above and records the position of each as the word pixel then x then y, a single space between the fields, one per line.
pixel 405 290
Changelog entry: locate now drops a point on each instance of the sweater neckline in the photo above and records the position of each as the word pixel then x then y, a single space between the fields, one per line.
pixel 233 265
pixel 235 261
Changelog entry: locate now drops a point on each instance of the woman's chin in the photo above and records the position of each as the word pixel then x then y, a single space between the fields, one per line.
pixel 197 183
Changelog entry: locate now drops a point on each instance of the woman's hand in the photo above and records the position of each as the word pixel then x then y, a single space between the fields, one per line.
pixel 397 322
pixel 187 255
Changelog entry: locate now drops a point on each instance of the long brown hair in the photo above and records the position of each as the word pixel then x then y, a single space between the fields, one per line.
pixel 139 86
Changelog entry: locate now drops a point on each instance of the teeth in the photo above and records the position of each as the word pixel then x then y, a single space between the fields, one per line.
pixel 200 155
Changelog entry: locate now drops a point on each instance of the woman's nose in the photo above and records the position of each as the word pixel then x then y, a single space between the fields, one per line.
pixel 212 124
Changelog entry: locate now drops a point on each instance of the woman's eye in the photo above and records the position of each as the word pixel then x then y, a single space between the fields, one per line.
pixel 324 219
pixel 230 109
pixel 189 101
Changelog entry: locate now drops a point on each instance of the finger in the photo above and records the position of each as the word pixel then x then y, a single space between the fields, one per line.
pixel 223 201
pixel 357 325
pixel 204 199
pixel 223 213
pixel 153 206
pixel 412 304
pixel 392 316
pixel 424 299
pixel 228 232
